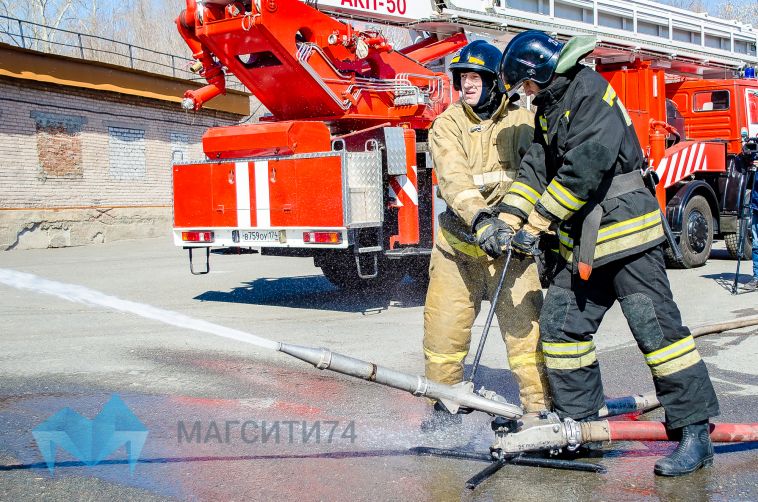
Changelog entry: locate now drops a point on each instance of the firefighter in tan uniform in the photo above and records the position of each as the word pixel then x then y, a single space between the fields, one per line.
pixel 477 145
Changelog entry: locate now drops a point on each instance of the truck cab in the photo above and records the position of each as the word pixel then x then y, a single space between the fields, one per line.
pixel 723 111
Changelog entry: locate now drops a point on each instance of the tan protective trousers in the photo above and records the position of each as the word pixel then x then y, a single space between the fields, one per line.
pixel 458 282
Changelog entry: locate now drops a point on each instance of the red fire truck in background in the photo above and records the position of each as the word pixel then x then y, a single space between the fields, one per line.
pixel 341 172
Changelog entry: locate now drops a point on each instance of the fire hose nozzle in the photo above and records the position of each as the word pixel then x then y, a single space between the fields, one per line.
pixel 188 104
pixel 454 397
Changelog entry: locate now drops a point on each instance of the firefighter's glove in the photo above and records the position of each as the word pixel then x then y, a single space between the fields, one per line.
pixel 526 241
pixel 493 235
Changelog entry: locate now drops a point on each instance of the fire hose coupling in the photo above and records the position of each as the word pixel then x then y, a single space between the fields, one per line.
pixel 326 359
pixel 549 433
pixel 422 387
pixel 573 434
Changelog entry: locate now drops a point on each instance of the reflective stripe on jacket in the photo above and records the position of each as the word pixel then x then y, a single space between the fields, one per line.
pixel 583 138
pixel 476 160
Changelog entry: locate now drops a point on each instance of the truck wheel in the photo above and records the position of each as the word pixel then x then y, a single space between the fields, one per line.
pixel 732 239
pixel 697 232
pixel 340 269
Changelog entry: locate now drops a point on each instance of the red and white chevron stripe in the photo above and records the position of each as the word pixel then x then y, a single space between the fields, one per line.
pixel 686 158
pixel 403 188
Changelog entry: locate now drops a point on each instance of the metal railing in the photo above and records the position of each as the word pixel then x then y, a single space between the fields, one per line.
pixel 42 38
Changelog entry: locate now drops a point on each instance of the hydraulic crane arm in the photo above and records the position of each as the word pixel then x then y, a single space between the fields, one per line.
pixel 282 48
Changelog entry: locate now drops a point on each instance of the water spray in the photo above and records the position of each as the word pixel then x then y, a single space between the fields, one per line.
pixel 515 432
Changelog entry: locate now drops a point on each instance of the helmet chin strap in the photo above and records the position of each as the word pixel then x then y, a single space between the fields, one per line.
pixel 490 99
pixel 489 84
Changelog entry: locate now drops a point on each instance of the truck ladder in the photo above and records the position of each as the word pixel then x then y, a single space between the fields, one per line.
pixel 686 42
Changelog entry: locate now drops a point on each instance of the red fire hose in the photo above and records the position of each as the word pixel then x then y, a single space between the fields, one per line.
pixel 656 431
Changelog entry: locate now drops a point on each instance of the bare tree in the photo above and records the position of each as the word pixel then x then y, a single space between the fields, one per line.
pixel 690 5
pixel 744 11
pixel 47 15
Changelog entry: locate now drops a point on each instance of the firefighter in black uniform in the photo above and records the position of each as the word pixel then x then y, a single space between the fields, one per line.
pixel 581 179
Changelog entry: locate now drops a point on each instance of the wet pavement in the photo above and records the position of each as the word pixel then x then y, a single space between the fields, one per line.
pixel 228 420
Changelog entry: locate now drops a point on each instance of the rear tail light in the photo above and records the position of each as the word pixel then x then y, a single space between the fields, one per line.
pixel 197 236
pixel 322 237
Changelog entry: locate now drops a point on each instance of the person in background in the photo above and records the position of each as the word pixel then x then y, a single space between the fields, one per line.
pixel 753 284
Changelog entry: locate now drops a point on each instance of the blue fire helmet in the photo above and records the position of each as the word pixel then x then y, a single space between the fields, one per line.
pixel 478 56
pixel 531 55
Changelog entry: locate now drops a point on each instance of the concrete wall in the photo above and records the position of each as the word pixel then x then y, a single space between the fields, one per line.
pixel 81 166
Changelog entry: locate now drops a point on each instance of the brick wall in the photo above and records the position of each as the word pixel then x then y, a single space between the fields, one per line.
pixel 80 166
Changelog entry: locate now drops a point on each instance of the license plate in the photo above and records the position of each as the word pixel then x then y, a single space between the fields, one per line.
pixel 259 236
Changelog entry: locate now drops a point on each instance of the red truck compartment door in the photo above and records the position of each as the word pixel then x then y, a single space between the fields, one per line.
pixel 204 195
pixel 306 192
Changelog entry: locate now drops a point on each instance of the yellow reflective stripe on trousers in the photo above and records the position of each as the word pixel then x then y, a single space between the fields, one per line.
pixel 567 348
pixel 529 359
pixel 464 247
pixel 670 352
pixel 438 358
pixel 678 364
pixel 570 363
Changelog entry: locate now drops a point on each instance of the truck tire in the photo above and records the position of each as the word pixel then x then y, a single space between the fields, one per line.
pixel 732 244
pixel 732 239
pixel 697 232
pixel 340 269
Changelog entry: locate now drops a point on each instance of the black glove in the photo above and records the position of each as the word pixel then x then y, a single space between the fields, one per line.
pixel 526 243
pixel 493 235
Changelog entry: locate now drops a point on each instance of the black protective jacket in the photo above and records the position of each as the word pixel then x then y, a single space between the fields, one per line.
pixel 583 140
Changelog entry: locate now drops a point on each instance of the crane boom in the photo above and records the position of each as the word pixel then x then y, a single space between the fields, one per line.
pixel 682 41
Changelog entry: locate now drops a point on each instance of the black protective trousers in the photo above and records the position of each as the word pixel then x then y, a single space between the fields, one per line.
pixel 572 312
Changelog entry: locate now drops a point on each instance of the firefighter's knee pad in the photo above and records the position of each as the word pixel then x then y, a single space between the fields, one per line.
pixel 554 313
pixel 640 313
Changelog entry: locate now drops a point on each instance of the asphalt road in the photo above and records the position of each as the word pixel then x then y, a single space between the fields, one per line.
pixel 230 420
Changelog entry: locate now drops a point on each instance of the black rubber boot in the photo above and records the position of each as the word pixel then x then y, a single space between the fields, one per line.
pixel 695 450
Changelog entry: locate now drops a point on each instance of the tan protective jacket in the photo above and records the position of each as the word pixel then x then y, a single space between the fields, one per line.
pixel 477 160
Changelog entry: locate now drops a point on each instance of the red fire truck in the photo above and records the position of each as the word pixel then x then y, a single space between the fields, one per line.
pixel 340 170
